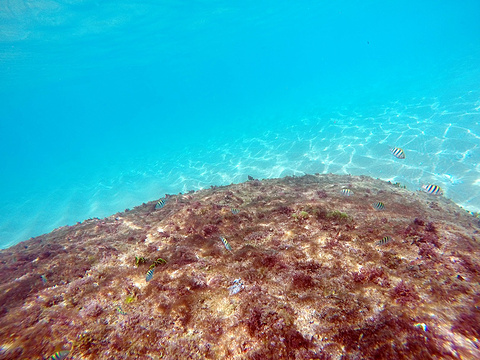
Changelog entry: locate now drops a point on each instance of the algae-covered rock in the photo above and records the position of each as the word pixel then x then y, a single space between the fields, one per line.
pixel 307 277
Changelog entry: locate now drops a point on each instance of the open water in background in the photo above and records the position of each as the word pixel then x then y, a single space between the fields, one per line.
pixel 108 104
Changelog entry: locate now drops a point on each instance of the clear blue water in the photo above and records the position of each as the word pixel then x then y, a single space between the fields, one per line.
pixel 108 104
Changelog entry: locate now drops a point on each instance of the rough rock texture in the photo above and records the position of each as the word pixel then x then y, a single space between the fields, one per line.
pixel 316 285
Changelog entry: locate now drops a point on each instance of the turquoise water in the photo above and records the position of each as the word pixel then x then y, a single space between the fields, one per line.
pixel 105 105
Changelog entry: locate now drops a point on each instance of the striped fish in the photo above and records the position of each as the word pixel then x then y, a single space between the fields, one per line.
pixel 379 206
pixel 120 310
pixel 59 355
pixel 160 204
pixel 235 211
pixel 384 240
pixel 225 242
pixel 149 274
pixel 432 189
pixel 398 153
pixel 347 192
pixel 157 262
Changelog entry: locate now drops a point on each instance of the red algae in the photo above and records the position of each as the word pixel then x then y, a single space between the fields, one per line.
pixel 305 277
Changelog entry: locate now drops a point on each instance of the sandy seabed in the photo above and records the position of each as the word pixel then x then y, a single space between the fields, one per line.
pixel 307 277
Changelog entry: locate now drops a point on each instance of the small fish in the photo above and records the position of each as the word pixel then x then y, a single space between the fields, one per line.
pixel 44 279
pixel 149 274
pixel 379 206
pixel 235 211
pixel 225 242
pixel 347 192
pixel 421 325
pixel 236 287
pixel 139 260
pixel 385 240
pixel 432 189
pixel 398 153
pixel 160 204
pixel 59 355
pixel 157 262
pixel 120 310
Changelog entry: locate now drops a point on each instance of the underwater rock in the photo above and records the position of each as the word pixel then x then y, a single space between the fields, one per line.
pixel 305 277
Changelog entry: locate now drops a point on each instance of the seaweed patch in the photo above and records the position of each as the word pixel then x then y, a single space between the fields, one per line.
pixel 303 271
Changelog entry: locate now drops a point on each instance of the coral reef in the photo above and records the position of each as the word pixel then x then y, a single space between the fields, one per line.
pixel 303 277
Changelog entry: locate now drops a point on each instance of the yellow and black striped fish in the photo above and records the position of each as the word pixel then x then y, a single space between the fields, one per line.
pixel 157 262
pixel 398 153
pixel 347 192
pixel 384 240
pixel 149 274
pixel 432 189
pixel 160 204
pixel 235 211
pixel 59 355
pixel 225 242
pixel 379 206
pixel 139 260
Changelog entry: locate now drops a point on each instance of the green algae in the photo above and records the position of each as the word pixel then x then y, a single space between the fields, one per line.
pixel 130 298
pixel 302 215
pixel 338 216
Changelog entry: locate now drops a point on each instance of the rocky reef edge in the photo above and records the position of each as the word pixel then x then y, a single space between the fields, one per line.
pixel 286 268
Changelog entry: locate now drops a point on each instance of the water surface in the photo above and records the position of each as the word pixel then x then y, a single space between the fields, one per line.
pixel 105 105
